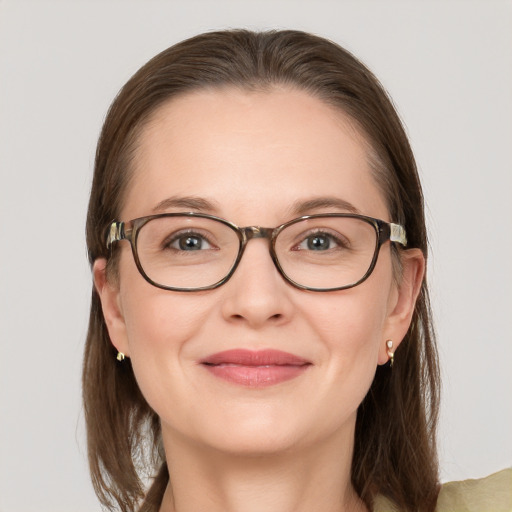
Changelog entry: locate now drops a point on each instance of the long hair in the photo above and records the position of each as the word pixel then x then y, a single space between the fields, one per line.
pixel 395 449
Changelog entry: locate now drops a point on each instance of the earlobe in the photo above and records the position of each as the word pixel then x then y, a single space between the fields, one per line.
pixel 404 300
pixel 112 312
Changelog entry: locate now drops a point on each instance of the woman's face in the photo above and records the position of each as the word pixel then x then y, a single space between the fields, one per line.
pixel 255 158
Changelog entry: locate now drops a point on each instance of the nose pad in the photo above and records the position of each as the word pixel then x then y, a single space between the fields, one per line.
pixel 256 293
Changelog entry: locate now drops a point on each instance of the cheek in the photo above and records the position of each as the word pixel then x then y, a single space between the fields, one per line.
pixel 156 320
pixel 350 326
pixel 161 328
pixel 162 336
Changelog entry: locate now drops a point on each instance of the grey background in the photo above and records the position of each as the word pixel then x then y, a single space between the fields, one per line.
pixel 448 66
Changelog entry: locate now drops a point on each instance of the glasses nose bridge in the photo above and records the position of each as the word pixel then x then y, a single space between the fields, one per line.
pixel 250 232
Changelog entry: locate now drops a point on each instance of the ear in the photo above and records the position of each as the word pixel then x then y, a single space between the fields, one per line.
pixel 403 300
pixel 110 304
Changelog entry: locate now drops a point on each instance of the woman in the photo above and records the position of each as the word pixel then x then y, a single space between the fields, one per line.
pixel 260 334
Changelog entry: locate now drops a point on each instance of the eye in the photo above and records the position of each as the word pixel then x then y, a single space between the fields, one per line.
pixel 320 241
pixel 188 242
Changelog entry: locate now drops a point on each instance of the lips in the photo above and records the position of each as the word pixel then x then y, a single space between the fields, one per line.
pixel 255 368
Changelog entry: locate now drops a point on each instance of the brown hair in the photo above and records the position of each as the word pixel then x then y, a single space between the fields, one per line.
pixel 395 452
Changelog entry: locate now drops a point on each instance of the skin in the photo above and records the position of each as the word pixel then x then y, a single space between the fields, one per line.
pixel 286 447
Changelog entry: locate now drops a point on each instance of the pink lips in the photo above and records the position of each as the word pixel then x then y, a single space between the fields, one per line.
pixel 255 368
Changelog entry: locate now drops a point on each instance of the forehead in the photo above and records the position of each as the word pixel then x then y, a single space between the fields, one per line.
pixel 251 153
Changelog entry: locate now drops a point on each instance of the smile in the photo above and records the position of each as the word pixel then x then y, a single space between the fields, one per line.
pixel 255 368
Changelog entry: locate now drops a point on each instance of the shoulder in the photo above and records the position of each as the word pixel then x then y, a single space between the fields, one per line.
pixel 493 493
pixel 489 494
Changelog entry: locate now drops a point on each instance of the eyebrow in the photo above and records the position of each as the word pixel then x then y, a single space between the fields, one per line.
pixel 199 204
pixel 304 207
pixel 298 208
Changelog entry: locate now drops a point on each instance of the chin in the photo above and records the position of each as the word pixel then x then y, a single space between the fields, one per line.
pixel 250 442
pixel 262 434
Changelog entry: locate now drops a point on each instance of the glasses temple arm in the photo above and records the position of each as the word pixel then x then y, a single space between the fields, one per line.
pixel 397 234
pixel 115 233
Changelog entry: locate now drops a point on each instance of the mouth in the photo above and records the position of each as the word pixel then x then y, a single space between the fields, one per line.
pixel 255 369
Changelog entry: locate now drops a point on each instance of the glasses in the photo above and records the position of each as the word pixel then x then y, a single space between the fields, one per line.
pixel 194 251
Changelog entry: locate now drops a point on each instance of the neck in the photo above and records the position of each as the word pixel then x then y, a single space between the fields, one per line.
pixel 307 480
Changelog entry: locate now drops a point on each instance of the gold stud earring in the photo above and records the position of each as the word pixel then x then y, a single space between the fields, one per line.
pixel 120 356
pixel 391 354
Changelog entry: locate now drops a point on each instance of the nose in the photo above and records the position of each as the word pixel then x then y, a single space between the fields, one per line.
pixel 256 294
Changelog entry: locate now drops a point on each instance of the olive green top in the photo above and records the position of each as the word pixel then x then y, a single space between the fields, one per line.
pixel 490 494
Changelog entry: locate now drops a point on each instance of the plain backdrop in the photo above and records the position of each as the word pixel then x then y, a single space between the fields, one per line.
pixel 448 67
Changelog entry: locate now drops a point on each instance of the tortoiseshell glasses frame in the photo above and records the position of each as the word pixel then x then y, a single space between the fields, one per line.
pixel 316 267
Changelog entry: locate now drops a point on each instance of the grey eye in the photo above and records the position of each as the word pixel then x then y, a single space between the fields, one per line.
pixel 319 242
pixel 189 242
